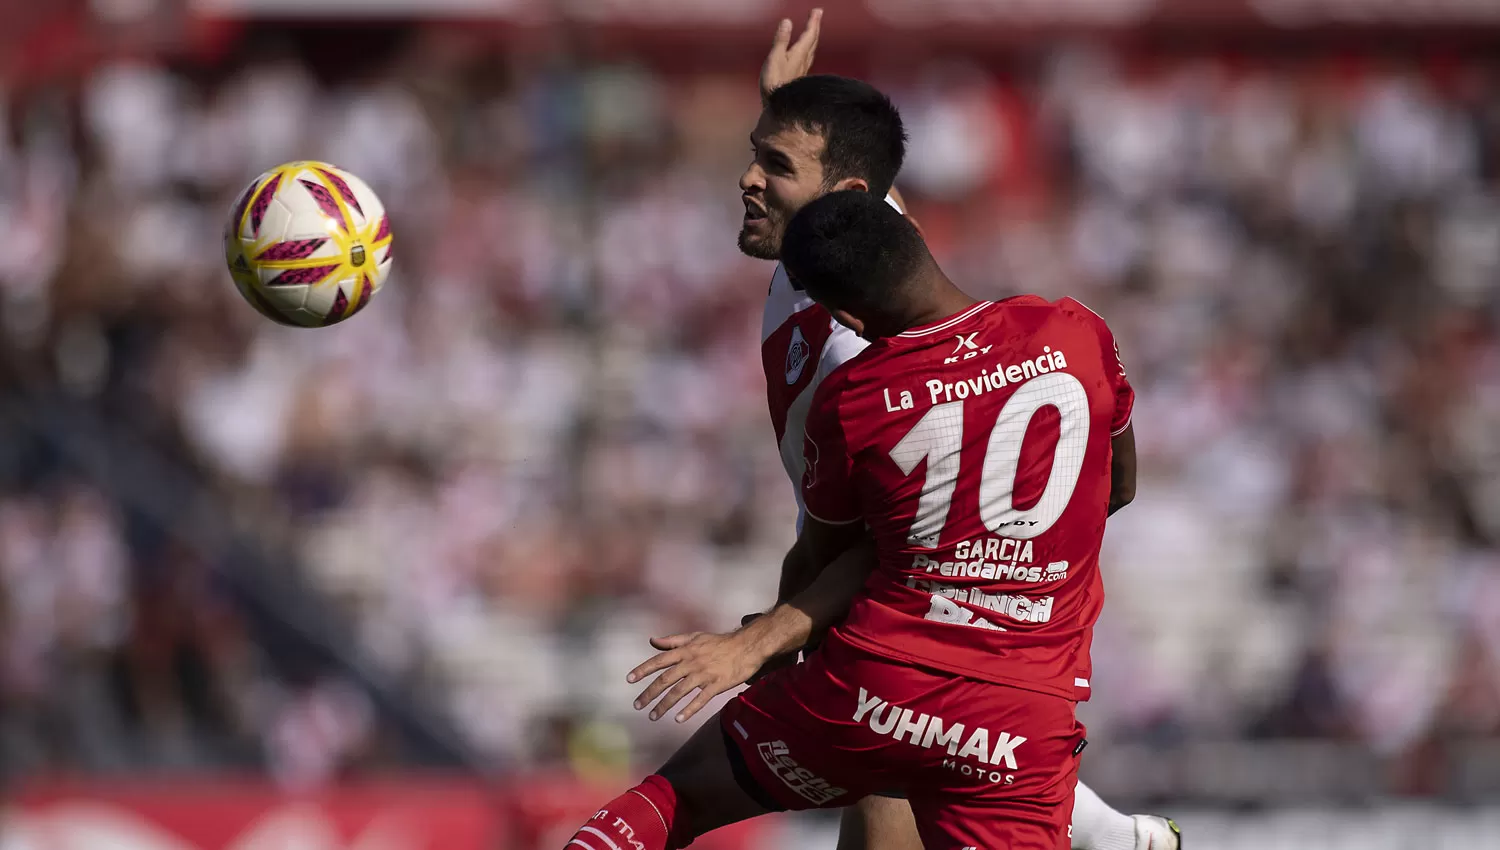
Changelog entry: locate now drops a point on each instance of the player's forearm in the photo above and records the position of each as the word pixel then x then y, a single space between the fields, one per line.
pixel 790 625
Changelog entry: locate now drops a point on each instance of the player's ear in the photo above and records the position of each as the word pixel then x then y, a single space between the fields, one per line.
pixel 856 184
pixel 846 319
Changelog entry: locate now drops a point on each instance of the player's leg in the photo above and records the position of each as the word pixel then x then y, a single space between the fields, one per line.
pixel 1034 813
pixel 1022 827
pixel 1099 826
pixel 767 750
pixel 886 823
pixel 694 792
pixel 879 823
pixel 1009 776
pixel 952 822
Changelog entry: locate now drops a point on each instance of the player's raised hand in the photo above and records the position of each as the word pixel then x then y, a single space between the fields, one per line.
pixel 707 663
pixel 789 59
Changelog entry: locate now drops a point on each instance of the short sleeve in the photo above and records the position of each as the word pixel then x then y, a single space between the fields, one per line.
pixel 827 486
pixel 1114 372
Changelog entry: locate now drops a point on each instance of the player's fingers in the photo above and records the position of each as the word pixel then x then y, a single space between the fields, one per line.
pixel 783 36
pixel 659 661
pixel 678 693
pixel 663 644
pixel 704 697
pixel 808 41
pixel 667 679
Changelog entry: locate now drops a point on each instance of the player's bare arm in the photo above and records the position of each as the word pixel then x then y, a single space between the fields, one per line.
pixel 789 59
pixel 796 571
pixel 832 548
pixel 714 663
pixel 825 542
pixel 814 549
pixel 1122 470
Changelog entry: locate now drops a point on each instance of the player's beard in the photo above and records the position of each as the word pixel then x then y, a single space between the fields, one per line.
pixel 768 247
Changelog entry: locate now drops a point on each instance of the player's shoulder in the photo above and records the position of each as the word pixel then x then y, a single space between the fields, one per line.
pixel 1025 300
pixel 840 378
pixel 1066 308
pixel 1066 304
pixel 849 380
pixel 1081 311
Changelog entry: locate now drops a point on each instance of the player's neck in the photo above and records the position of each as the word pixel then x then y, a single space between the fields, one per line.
pixel 946 300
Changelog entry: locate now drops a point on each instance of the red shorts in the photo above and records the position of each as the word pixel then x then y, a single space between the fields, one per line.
pixel 985 766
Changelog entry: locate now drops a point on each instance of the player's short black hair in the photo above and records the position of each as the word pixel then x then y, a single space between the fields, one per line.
pixel 853 251
pixel 861 129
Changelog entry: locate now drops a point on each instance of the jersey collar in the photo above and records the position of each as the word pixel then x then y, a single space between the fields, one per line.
pixel 948 323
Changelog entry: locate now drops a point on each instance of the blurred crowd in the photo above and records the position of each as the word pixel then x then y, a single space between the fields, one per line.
pixel 547 440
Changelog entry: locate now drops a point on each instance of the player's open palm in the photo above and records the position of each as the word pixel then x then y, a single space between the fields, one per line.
pixel 709 664
pixel 789 59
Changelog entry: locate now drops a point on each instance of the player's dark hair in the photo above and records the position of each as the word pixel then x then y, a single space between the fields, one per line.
pixel 854 252
pixel 861 129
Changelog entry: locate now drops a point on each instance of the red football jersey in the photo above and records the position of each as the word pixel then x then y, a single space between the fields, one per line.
pixel 978 451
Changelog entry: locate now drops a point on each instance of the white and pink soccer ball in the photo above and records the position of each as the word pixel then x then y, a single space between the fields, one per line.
pixel 308 244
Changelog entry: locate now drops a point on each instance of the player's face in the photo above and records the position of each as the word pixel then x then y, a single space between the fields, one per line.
pixel 786 173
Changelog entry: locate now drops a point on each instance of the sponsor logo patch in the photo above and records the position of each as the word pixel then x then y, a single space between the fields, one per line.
pixel 802 781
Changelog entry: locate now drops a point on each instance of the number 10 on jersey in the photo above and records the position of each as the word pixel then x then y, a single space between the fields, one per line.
pixel 938 437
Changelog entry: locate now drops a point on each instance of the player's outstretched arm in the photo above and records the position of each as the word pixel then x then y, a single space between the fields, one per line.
pixel 1122 470
pixel 789 60
pixel 711 664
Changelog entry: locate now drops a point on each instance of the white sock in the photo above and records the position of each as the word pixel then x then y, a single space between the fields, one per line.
pixel 1096 826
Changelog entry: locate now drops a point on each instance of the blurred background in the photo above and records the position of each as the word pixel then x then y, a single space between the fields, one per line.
pixel 378 585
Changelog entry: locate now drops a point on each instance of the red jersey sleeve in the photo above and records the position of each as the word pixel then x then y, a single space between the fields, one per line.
pixel 1114 369
pixel 827 479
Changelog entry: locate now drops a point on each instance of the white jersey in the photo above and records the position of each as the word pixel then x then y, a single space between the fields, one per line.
pixel 800 344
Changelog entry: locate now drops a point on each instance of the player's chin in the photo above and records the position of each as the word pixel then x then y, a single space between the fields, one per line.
pixel 755 242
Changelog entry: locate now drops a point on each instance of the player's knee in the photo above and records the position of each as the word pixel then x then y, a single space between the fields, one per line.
pixel 699 809
pixel 708 795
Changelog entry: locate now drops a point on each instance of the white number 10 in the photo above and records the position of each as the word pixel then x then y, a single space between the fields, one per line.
pixel 938 437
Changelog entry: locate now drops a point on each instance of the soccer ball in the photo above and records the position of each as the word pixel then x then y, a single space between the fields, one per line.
pixel 308 244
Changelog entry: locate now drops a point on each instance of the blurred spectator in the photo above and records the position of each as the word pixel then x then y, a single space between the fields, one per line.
pixel 546 439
